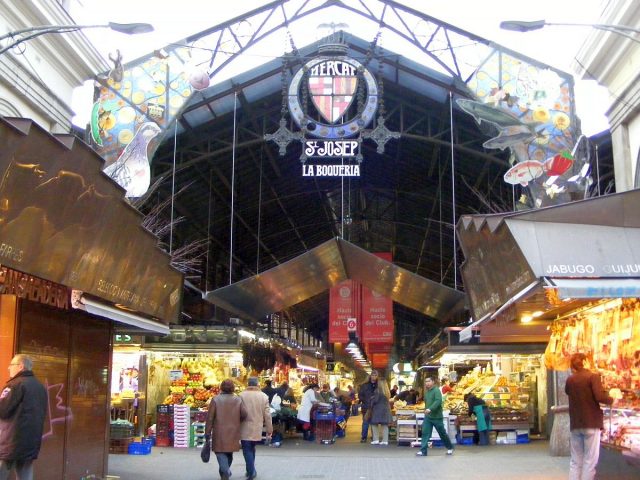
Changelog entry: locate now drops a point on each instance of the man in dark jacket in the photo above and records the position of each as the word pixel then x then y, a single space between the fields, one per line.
pixel 269 390
pixel 585 392
pixel 23 408
pixel 365 393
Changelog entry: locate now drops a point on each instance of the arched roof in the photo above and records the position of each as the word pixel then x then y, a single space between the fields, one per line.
pixel 248 203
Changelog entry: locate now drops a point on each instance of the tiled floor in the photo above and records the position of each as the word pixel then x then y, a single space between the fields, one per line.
pixel 349 459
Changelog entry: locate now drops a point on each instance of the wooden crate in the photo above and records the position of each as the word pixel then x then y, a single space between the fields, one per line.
pixel 119 445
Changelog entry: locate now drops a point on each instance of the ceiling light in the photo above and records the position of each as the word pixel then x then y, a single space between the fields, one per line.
pixel 526 318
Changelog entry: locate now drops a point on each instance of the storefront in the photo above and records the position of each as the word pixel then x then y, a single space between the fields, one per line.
pixel 76 268
pixel 573 271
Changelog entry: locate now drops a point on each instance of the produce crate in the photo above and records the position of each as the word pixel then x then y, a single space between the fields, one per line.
pixel 119 445
pixel 139 448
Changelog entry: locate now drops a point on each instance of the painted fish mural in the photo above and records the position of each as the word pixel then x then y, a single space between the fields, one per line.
pixel 524 172
pixel 483 112
pixel 509 138
pixel 132 170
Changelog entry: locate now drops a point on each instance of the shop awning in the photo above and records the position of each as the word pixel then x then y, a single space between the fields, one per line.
pixel 139 323
pixel 597 287
pixel 597 238
pixel 325 266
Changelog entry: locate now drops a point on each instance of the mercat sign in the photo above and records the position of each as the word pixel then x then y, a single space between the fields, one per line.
pixel 332 99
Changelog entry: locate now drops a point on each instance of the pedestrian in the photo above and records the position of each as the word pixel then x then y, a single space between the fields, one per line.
pixel 269 390
pixel 352 393
pixel 394 391
pixel 586 393
pixel 365 392
pixel 479 408
pixel 433 418
pixel 23 408
pixel 380 414
pixel 326 393
pixel 226 413
pixel 445 386
pixel 258 417
pixel 310 397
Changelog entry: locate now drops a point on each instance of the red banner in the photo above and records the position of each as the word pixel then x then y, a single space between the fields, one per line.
pixel 377 314
pixel 343 299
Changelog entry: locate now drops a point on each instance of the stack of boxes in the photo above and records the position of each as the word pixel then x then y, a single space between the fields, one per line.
pixel 197 429
pixel 181 426
pixel 164 425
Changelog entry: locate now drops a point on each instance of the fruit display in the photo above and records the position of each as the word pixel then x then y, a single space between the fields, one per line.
pixel 192 379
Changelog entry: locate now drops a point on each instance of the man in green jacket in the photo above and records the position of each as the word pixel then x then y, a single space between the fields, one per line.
pixel 433 418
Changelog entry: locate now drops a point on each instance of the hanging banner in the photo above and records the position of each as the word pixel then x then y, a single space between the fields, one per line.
pixel 342 307
pixel 377 314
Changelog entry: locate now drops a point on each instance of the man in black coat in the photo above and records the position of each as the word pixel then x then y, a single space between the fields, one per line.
pixel 23 408
pixel 365 393
pixel 269 390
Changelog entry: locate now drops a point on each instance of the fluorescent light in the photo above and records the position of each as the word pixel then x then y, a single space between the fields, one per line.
pixel 244 333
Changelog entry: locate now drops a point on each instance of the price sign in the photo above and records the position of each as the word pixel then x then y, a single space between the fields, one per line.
pixel 351 324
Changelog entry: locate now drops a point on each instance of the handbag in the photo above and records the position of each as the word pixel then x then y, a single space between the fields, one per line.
pixel 205 453
pixel 367 416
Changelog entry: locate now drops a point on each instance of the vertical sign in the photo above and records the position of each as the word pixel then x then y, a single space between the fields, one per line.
pixel 342 299
pixel 377 314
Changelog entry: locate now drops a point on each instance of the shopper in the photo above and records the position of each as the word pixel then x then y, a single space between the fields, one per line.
pixel 345 400
pixel 365 393
pixel 380 414
pixel 309 398
pixel 23 408
pixel 585 392
pixel 479 408
pixel 226 413
pixel 258 418
pixel 433 418
pixel 269 390
pixel 326 393
pixel 445 386
pixel 410 396
pixel 282 389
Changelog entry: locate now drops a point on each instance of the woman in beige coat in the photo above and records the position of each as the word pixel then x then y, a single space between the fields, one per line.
pixel 226 413
pixel 258 417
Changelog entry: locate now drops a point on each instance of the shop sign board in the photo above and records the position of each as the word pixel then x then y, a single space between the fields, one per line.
pixel 196 336
pixel 27 286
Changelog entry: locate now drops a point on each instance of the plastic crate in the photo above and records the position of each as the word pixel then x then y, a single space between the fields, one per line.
pixel 164 408
pixel 139 449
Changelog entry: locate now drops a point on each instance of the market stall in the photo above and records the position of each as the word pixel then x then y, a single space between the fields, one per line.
pixel 573 270
pixel 609 332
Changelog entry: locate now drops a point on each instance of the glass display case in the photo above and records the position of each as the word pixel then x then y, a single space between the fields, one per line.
pixel 622 427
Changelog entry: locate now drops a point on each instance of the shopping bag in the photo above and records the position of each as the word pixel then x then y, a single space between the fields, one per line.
pixel 205 453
